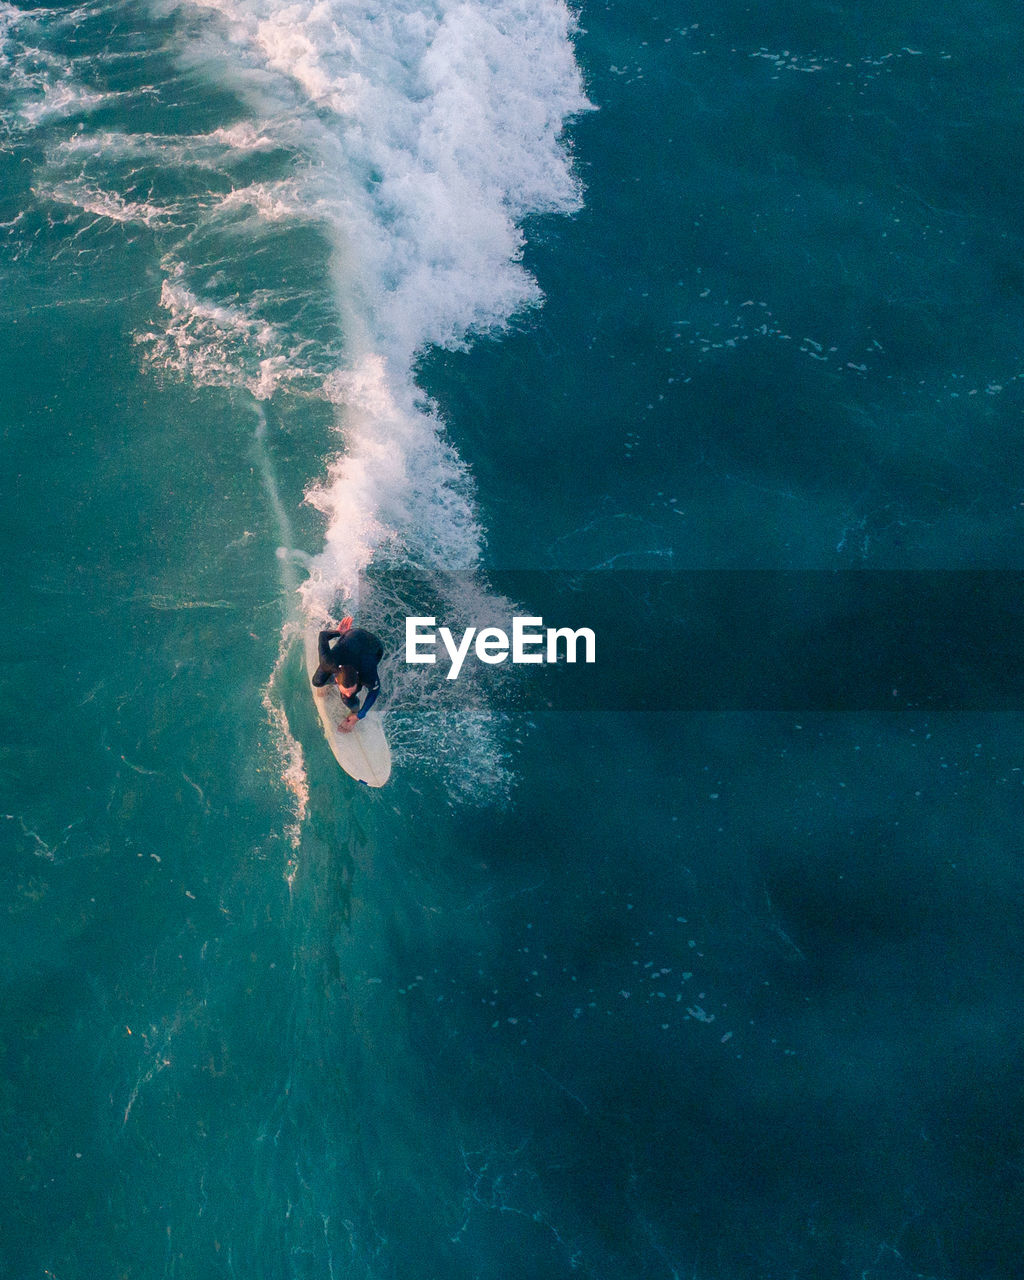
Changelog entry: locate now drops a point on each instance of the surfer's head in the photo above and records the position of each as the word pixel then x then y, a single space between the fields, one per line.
pixel 348 678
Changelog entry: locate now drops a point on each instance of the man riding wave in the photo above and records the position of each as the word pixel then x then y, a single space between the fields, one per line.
pixel 349 656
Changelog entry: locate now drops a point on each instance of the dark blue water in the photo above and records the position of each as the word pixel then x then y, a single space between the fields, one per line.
pixel 300 302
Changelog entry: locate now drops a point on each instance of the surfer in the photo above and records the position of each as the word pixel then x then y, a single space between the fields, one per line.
pixel 349 655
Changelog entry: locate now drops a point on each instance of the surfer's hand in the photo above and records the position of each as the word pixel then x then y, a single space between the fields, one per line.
pixel 346 623
pixel 349 724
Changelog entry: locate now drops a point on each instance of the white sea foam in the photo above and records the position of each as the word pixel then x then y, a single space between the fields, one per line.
pixel 437 129
pixel 91 198
pixel 220 344
pixel 281 202
pixel 60 97
pixel 42 81
pixel 218 149
pixel 397 486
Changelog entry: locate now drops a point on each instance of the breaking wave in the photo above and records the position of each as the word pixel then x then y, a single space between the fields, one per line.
pixel 401 149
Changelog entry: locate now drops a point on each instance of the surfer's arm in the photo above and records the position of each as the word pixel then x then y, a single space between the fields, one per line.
pixel 371 698
pixel 323 647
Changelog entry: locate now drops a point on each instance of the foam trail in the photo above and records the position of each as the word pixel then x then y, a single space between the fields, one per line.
pixel 289 749
pixel 288 578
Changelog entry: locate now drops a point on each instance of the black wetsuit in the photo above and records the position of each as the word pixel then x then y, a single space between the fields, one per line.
pixel 355 648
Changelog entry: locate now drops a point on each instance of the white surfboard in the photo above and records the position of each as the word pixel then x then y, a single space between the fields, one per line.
pixel 363 753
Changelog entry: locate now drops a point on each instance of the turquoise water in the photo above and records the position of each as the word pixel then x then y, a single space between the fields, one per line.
pixel 301 304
